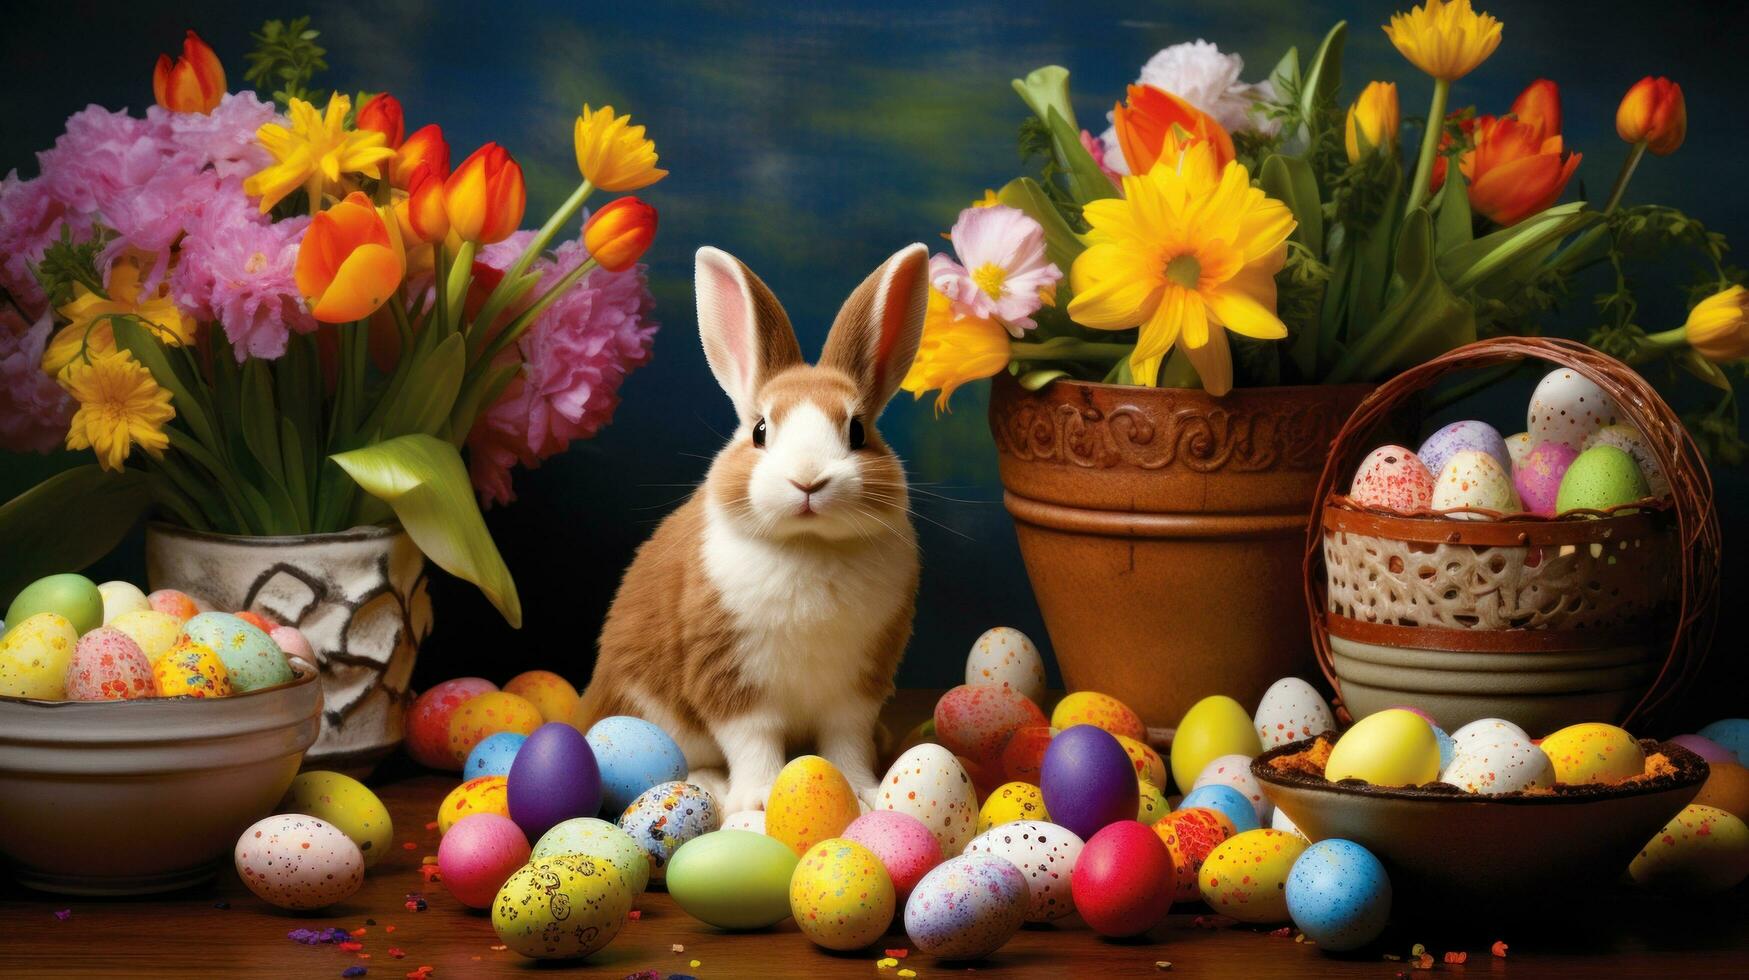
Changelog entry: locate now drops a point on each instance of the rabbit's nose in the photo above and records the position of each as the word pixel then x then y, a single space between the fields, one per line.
pixel 811 488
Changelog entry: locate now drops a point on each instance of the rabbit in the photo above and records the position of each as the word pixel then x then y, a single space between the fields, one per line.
pixel 772 608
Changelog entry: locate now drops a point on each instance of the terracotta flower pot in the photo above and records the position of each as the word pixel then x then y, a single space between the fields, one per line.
pixel 1162 530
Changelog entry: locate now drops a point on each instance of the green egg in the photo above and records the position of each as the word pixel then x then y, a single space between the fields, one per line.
pixel 1600 478
pixel 71 595
pixel 733 879
pixel 252 658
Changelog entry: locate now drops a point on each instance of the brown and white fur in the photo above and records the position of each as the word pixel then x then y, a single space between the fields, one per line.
pixel 770 611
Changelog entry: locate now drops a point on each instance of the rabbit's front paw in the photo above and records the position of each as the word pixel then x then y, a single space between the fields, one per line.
pixel 742 796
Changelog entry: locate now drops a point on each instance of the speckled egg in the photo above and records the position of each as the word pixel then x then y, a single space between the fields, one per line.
pixel 34 656
pixel 121 597
pixel 1010 802
pixel 1600 478
pixel 488 714
pixel 633 756
pixel 251 657
pixel 1702 850
pixel 1024 755
pixel 1151 803
pixel 1226 801
pixel 1339 895
pixel 666 816
pixel 1245 877
pixel 1235 771
pixel 176 603
pixel 69 594
pixel 191 670
pixel 1474 479
pixel 594 838
pixel 967 907
pixel 553 696
pixel 1394 747
pixel 733 879
pixel 1732 733
pixel 1392 478
pixel 1149 765
pixel 493 756
pixel 1503 765
pixel 1518 446
pixel 108 666
pixel 976 720
pixel 1628 439
pixel 1100 711
pixel 1291 710
pixel 810 801
pixel 428 721
pixel 346 804
pixel 1466 436
pixel 751 820
pixel 1190 834
pixel 1045 853
pixel 1538 478
pixel 1487 730
pixel 1007 657
pixel 478 855
pixel 562 907
pixel 487 794
pixel 906 848
pixel 296 861
pixel 1568 407
pixel 1593 752
pixel 1213 727
pixel 154 632
pixel 840 895
pixel 929 783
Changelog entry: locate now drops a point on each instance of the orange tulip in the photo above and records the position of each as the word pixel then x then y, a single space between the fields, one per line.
pixel 421 212
pixel 1515 170
pixel 485 197
pixel 1654 113
pixel 350 261
pixel 1147 119
pixel 194 82
pixel 383 114
pixel 617 234
pixel 1539 105
pixel 426 145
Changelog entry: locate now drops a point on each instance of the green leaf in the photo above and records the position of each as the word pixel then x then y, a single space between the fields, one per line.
pixel 1491 264
pixel 483 391
pixel 423 403
pixel 1291 181
pixel 1285 77
pixel 423 479
pixel 1373 264
pixel 1087 183
pixel 1451 227
pixel 139 342
pixel 1061 242
pixel 1425 317
pixel 67 522
pixel 1690 360
pixel 260 421
pixel 1034 380
pixel 1324 75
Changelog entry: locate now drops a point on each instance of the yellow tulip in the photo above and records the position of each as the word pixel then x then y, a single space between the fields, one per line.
pixel 485 197
pixel 954 350
pixel 1445 38
pixel 1373 120
pixel 613 154
pixel 1718 326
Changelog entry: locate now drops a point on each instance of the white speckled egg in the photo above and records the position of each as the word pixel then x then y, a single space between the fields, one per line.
pixel 1498 765
pixel 666 816
pixel 1045 853
pixel 967 907
pixel 1517 447
pixel 1487 729
pixel 1568 407
pixel 1471 435
pixel 1474 479
pixel 1006 656
pixel 930 784
pixel 753 820
pixel 1392 478
pixel 1291 710
pixel 296 861
pixel 1630 440
pixel 1235 771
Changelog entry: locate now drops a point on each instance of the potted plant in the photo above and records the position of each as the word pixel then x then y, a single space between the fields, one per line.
pixel 1180 315
pixel 279 326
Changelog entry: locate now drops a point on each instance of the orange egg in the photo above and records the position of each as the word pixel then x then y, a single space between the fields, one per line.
pixel 489 714
pixel 1189 836
pixel 552 695
pixel 175 603
pixel 1100 711
pixel 1727 789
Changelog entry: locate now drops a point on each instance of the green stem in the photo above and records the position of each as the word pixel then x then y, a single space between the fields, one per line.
pixel 439 279
pixel 526 318
pixel 1429 146
pixel 1065 349
pixel 1178 371
pixel 512 286
pixel 456 292
pixel 1621 179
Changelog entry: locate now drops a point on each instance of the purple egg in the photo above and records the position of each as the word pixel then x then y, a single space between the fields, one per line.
pixel 1459 436
pixel 1706 748
pixel 553 779
pixel 1088 780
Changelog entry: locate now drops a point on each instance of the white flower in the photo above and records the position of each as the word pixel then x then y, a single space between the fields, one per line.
pixel 1201 75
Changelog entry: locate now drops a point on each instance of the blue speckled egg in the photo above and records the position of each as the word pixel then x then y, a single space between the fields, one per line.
pixel 1459 436
pixel 666 816
pixel 1225 800
pixel 967 907
pixel 1732 733
pixel 1339 895
pixel 493 756
pixel 633 755
pixel 250 656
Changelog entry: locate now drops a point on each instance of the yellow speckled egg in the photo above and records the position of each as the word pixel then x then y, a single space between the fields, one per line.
pixel 1149 765
pixel 1245 877
pixel 810 801
pixel 551 695
pixel 840 895
pixel 155 632
pixel 1100 711
pixel 1151 804
pixel 347 804
pixel 489 714
pixel 487 794
pixel 34 656
pixel 1213 727
pixel 1701 850
pixel 1388 748
pixel 1010 802
pixel 562 908
pixel 192 670
pixel 1593 753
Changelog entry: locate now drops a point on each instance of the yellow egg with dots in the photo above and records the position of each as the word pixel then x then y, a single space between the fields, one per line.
pixel 34 656
pixel 155 632
pixel 1151 803
pixel 1149 765
pixel 1593 753
pixel 1701 850
pixel 1100 711
pixel 191 670
pixel 810 801
pixel 1393 747
pixel 487 794
pixel 1011 802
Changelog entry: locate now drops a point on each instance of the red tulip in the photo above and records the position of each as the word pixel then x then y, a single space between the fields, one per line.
pixel 383 114
pixel 426 145
pixel 1654 113
pixel 194 82
pixel 617 234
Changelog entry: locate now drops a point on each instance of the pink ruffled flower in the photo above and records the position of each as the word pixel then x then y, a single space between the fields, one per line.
pixel 1002 272
pixel 499 441
pixel 223 139
pixel 156 212
pixel 30 221
pixel 1095 148
pixel 101 156
pixel 34 411
pixel 237 269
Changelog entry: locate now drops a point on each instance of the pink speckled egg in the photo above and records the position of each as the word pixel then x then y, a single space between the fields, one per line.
pixel 1474 479
pixel 178 604
pixel 1438 449
pixel 1538 478
pixel 108 666
pixel 298 862
pixel 905 846
pixel 428 720
pixel 478 855
pixel 1392 478
pixel 976 720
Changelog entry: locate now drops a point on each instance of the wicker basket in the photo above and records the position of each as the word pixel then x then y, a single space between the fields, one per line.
pixel 1589 616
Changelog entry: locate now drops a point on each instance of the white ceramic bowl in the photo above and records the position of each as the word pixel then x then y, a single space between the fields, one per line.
pixel 131 797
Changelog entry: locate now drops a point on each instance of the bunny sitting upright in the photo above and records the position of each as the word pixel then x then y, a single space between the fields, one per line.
pixel 770 611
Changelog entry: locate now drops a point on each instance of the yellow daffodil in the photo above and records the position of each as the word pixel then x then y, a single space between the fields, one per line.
pixel 315 153
pixel 613 154
pixel 1718 326
pixel 1187 250
pixel 120 405
pixel 89 331
pixel 954 350
pixel 1444 38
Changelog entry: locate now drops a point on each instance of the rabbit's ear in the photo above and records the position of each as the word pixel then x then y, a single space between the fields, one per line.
pixel 876 334
pixel 747 336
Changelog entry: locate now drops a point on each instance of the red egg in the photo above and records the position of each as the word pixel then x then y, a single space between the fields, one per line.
pixel 976 720
pixel 428 720
pixel 478 855
pixel 1123 881
pixel 1024 755
pixel 1393 478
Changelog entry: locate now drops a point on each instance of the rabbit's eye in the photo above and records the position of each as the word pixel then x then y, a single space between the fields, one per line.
pixel 759 434
pixel 858 436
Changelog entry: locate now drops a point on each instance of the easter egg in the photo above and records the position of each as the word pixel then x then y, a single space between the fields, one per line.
pixel 1706 748
pixel 552 779
pixel 1518 446
pixel 751 820
pixel 1024 755
pixel 1600 478
pixel 428 721
pixel 1245 876
pixel 591 837
pixel 191 670
pixel 1538 478
pixel 121 597
pixel 34 656
pixel 1732 733
pixel 1151 803
pixel 250 655
pixel 292 642
pixel 1447 747
pixel 1475 480
pixel 666 816
pixel 1279 820
pixel 1392 478
pixel 488 714
pixel 733 879
pixel 1593 752
pixel 1226 801
pixel 1100 711
pixel 906 848
pixel 295 861
pixel 633 756
pixel 1487 730
pixel 478 855
pixel 840 895
pixel 1046 854
pixel 1466 436
pixel 256 620
pixel 1339 895
pixel 1393 747
pixel 976 720
pixel 1628 439
pixel 107 665
pixel 493 756
pixel 152 631
pixel 1291 710
pixel 562 908
pixel 1190 834
pixel 1010 802
pixel 1568 407
pixel 1123 882
pixel 929 783
pixel 1702 850
pixel 1213 727
pixel 1235 771
pixel 967 907
pixel 810 801
pixel 1149 765
pixel 553 696
pixel 487 794
pixel 347 805
pixel 1087 780
pixel 1501 765
pixel 70 595
pixel 1727 788
pixel 1007 657
pixel 174 603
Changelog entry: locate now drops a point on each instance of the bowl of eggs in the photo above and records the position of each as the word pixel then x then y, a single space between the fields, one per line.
pixel 139 736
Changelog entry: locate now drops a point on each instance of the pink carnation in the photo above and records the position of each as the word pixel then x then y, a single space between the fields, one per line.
pixel 223 139
pixel 102 155
pixel 156 212
pixel 238 269
pixel 30 220
pixel 499 441
pixel 34 411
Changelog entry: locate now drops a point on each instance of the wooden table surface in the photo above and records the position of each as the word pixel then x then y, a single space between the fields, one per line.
pixel 223 930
